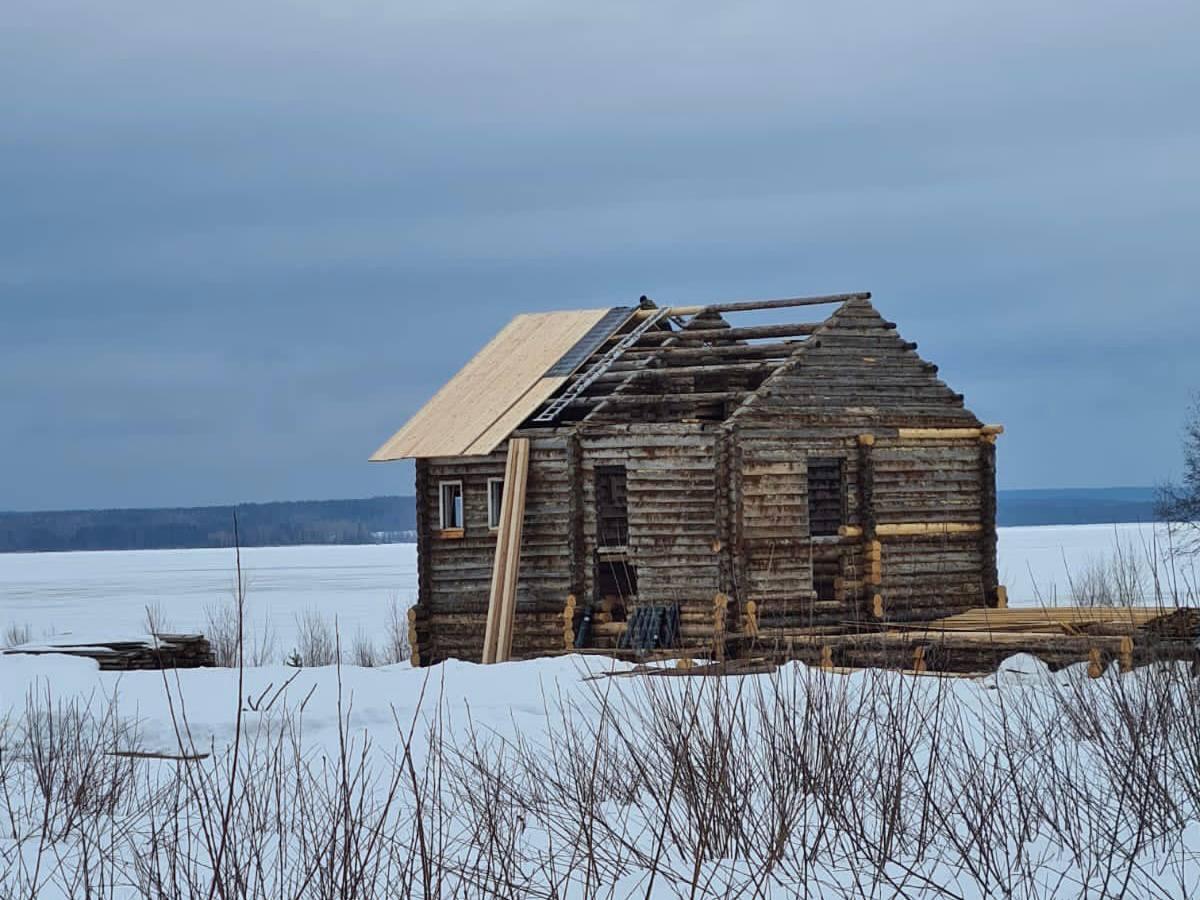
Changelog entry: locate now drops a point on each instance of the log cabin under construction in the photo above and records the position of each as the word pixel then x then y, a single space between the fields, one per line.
pixel 656 477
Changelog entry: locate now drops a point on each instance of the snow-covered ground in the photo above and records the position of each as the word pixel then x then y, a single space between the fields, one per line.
pixel 801 783
pixel 56 593
pixel 1065 738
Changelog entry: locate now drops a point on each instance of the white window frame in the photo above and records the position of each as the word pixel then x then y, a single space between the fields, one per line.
pixel 462 499
pixel 493 512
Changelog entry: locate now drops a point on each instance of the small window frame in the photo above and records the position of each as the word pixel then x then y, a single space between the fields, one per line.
pixel 494 509
pixel 462 504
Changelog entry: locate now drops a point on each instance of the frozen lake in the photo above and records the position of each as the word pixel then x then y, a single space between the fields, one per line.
pixel 109 591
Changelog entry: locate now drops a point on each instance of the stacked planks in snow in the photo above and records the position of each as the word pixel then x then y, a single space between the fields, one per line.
pixel 978 640
pixel 162 651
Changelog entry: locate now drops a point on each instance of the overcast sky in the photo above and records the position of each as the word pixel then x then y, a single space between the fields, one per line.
pixel 241 242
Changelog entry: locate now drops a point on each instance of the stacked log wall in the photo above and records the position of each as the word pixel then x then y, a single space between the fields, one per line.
pixel 931 482
pixel 455 573
pixel 857 376
pixel 674 535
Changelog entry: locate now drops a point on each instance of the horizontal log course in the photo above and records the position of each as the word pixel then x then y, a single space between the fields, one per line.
pixel 749 332
pixel 649 374
pixel 675 355
pixel 661 399
pixel 906 529
pixel 948 433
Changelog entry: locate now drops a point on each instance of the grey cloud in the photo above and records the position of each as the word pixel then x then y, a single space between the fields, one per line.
pixel 239 244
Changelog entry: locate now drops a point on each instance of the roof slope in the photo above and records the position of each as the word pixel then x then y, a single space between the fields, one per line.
pixel 502 385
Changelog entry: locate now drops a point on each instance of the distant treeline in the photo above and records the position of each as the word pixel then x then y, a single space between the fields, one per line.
pixel 393 519
pixel 371 521
pixel 1075 506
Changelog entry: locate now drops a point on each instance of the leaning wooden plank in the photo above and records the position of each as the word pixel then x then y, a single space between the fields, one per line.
pixel 508 523
pixel 492 629
pixel 520 448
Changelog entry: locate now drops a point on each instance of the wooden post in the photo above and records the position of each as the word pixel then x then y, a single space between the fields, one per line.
pixel 1001 597
pixel 737 552
pixel 919 658
pixel 720 610
pixel 871 554
pixel 987 539
pixel 576 546
pixel 1126 654
pixel 424 554
pixel 413 638
pixel 724 513
pixel 1095 663
pixel 568 615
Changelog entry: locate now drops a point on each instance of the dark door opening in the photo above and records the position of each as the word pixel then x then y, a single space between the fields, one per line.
pixel 612 507
pixel 615 575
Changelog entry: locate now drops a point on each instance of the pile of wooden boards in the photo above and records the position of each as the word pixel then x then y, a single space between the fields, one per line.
pixel 978 640
pixel 163 651
pixel 502 604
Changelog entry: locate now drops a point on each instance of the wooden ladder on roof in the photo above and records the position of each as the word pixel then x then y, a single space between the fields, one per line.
pixel 502 604
pixel 599 367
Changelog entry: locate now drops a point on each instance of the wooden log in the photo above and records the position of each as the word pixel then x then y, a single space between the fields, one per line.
pixel 751 623
pixel 637 375
pixel 748 305
pixel 674 355
pixel 720 613
pixel 902 529
pixel 661 399
pixel 919 658
pixel 945 434
pixel 749 332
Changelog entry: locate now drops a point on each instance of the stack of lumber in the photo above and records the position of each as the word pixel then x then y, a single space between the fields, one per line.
pixel 978 640
pixel 162 651
pixel 1051 620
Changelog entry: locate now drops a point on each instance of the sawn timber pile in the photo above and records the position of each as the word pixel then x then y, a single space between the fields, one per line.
pixel 978 640
pixel 163 651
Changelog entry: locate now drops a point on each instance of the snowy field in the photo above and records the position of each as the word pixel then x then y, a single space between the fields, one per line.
pixel 57 593
pixel 518 780
pixel 546 779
